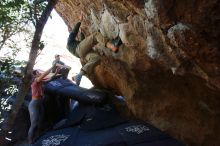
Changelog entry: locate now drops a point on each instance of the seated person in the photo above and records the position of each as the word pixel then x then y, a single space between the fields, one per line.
pixel 63 69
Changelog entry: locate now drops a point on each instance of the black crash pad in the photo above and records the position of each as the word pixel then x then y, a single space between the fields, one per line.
pixel 103 126
pixel 126 134
pixel 66 88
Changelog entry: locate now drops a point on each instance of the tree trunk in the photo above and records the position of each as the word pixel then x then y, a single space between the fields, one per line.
pixel 26 81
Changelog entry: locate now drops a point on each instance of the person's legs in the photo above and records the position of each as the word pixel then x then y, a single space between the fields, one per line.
pixel 89 42
pixel 41 114
pixel 113 45
pixel 34 118
pixel 86 45
pixel 93 60
pixel 77 78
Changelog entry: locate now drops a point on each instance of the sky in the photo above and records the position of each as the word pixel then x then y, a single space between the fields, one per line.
pixel 55 36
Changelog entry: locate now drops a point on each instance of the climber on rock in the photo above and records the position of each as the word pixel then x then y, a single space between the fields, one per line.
pixel 83 49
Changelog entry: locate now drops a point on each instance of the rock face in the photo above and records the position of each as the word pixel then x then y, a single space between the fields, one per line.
pixel 168 67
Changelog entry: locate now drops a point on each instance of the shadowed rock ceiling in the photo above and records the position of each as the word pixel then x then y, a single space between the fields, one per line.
pixel 168 67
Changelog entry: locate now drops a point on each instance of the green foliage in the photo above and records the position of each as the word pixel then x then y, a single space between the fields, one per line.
pixel 15 15
pixel 41 45
pixel 8 64
pixel 29 11
pixel 8 84
pixel 12 17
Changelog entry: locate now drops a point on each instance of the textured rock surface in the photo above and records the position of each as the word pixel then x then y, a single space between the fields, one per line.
pixel 168 67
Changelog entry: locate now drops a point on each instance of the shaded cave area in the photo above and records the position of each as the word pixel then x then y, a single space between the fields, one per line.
pixel 168 68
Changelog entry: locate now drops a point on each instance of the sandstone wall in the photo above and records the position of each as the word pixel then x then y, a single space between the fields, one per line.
pixel 168 67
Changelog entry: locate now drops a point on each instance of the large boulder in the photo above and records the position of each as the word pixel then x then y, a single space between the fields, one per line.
pixel 168 68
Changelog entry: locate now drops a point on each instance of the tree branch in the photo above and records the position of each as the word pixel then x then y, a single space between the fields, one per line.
pixel 26 82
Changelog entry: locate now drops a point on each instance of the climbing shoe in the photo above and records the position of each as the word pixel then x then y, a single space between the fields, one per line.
pixel 116 42
pixel 77 79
